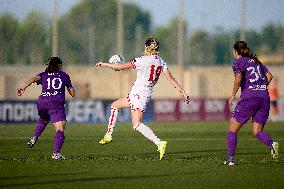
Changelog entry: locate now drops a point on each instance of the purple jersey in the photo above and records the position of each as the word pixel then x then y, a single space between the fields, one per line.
pixel 53 86
pixel 253 78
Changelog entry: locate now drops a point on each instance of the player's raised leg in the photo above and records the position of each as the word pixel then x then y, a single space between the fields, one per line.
pixel 41 124
pixel 44 117
pixel 147 132
pixel 115 106
pixel 232 140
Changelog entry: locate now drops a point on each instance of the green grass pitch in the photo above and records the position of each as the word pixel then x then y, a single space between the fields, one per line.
pixel 195 153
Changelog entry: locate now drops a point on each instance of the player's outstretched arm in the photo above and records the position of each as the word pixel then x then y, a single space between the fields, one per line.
pixel 114 66
pixel 237 84
pixel 22 89
pixel 174 82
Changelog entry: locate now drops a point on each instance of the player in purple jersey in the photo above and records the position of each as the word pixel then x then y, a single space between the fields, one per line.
pixel 51 102
pixel 253 78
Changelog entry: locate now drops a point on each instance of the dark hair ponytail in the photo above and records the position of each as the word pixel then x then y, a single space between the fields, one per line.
pixel 53 64
pixel 243 50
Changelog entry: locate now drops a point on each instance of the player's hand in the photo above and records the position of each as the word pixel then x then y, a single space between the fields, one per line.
pixel 20 91
pixel 231 99
pixel 186 98
pixel 99 65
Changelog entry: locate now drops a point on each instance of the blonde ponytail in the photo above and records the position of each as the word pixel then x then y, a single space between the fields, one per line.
pixel 151 47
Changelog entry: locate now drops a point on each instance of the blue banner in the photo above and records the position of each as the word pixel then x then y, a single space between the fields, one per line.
pixel 78 111
pixel 18 111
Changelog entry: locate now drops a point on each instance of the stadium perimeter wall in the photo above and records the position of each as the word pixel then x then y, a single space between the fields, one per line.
pixel 199 82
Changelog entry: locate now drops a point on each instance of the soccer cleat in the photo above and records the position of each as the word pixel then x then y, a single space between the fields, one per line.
pixel 274 150
pixel 57 156
pixel 107 139
pixel 162 149
pixel 31 143
pixel 229 161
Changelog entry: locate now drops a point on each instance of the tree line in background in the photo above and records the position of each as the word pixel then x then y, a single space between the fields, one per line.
pixel 87 34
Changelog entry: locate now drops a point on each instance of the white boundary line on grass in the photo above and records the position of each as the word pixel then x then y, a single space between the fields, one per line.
pixel 129 138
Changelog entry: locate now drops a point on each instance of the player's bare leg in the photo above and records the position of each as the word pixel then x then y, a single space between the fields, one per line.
pixel 115 106
pixel 137 117
pixel 232 140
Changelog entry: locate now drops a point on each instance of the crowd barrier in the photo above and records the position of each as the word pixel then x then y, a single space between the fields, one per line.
pixel 97 111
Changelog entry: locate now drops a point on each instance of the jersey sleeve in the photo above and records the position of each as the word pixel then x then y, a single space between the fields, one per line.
pixel 165 67
pixel 40 81
pixel 264 69
pixel 237 67
pixel 136 63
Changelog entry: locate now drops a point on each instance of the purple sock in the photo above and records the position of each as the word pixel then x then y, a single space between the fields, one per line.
pixel 39 128
pixel 264 138
pixel 58 141
pixel 232 140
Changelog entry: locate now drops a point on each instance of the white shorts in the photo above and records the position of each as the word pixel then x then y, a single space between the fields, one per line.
pixel 138 102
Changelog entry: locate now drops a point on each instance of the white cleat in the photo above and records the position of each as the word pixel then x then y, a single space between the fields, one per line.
pixel 230 161
pixel 275 150
pixel 57 156
pixel 31 142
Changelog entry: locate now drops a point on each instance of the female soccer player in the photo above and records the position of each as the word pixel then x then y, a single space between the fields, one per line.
pixel 253 78
pixel 51 102
pixel 149 67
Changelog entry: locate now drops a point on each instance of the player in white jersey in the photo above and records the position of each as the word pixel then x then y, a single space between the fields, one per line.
pixel 149 67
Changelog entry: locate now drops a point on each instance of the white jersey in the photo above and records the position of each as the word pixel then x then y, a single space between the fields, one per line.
pixel 148 69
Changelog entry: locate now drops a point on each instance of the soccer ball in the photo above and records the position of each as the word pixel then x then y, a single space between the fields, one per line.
pixel 116 59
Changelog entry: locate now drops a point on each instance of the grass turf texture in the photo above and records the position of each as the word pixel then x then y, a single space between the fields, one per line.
pixel 194 158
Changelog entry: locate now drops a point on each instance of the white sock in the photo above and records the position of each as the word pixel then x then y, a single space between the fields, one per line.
pixel 148 133
pixel 112 120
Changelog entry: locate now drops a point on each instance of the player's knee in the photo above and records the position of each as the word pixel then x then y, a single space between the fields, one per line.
pixel 254 132
pixel 113 106
pixel 60 125
pixel 59 129
pixel 135 126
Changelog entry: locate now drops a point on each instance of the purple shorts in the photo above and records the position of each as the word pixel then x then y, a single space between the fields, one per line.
pixel 53 110
pixel 257 108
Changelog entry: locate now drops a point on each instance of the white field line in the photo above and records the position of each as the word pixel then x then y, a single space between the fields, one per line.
pixel 128 138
